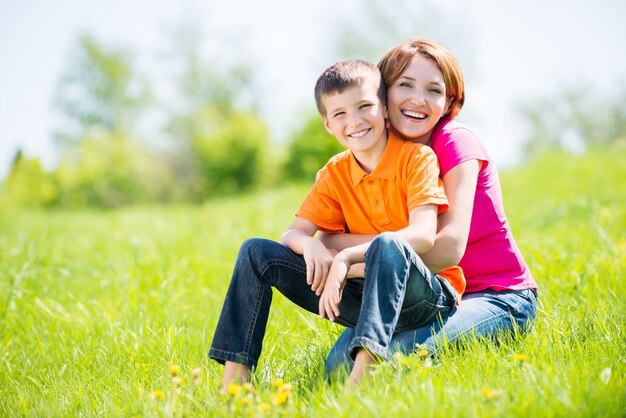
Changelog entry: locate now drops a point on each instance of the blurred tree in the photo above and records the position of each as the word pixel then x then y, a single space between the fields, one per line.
pixel 100 90
pixel 217 136
pixel 111 170
pixel 28 185
pixel 309 149
pixel 574 119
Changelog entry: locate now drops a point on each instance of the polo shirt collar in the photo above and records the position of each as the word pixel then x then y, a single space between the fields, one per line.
pixel 386 168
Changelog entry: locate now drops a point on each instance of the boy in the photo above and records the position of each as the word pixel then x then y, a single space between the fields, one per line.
pixel 379 184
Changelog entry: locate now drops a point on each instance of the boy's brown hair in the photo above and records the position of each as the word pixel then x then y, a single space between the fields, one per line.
pixel 345 74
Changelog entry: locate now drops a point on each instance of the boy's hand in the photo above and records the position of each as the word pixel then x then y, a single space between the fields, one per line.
pixel 331 297
pixel 318 262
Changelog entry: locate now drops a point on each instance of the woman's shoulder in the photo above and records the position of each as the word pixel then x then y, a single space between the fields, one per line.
pixel 451 129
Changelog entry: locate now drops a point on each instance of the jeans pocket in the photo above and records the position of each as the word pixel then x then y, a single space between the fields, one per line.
pixel 422 313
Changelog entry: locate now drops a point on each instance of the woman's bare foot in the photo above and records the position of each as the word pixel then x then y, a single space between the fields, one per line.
pixel 362 366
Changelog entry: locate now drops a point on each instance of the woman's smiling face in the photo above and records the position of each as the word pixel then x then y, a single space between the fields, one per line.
pixel 417 100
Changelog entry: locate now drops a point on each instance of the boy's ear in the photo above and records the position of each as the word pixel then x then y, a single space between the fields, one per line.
pixel 329 129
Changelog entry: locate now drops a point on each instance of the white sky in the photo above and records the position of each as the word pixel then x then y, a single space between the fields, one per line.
pixel 521 50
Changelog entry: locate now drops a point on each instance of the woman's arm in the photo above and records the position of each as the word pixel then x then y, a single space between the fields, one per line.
pixel 454 224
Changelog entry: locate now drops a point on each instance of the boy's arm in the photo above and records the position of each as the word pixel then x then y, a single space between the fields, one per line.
pixel 299 238
pixel 420 234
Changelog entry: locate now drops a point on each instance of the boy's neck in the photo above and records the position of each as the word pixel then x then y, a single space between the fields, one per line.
pixel 368 160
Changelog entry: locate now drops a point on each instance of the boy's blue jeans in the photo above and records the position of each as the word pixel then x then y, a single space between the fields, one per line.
pixel 480 315
pixel 398 294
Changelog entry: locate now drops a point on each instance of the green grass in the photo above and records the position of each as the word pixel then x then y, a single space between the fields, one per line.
pixel 94 307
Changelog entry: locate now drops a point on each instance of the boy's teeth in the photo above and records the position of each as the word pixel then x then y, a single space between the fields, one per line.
pixel 359 134
pixel 414 115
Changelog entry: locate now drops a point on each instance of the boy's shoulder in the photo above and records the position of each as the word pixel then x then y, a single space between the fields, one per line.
pixel 337 162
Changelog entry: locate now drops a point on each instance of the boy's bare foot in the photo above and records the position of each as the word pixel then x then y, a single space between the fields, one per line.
pixel 235 373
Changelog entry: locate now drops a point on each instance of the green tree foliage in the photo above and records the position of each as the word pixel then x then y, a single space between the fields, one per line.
pixel 217 136
pixel 101 90
pixel 309 150
pixel 28 184
pixel 574 119
pixel 111 170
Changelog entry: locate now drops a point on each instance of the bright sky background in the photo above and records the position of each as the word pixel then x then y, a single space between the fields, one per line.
pixel 522 50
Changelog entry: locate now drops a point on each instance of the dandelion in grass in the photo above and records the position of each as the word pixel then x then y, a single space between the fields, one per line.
pixel 490 393
pixel 233 389
pixel 278 383
pixel 264 407
pixel 279 398
pixel 423 354
pixel 173 370
pixel 520 358
pixel 158 394
pixel 249 388
pixel 247 400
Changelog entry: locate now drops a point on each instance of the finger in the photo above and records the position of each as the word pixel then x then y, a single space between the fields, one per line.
pixel 309 272
pixel 329 311
pixel 321 308
pixel 316 276
pixel 323 280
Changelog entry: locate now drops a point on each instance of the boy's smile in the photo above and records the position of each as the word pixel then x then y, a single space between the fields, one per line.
pixel 356 118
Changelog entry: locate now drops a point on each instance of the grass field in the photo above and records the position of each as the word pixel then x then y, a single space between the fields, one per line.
pixel 95 308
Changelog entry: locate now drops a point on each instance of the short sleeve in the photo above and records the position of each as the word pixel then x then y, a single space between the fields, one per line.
pixel 424 186
pixel 454 144
pixel 321 206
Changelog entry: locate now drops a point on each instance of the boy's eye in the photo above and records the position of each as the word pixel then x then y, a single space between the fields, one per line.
pixel 365 105
pixel 338 114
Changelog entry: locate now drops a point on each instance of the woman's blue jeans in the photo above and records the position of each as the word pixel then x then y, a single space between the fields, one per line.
pixel 397 294
pixel 480 315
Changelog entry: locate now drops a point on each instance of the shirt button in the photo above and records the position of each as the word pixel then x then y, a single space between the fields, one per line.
pixel 377 202
pixel 370 182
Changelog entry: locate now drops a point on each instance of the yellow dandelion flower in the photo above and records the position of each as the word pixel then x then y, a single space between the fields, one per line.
pixel 247 400
pixel 278 383
pixel 286 387
pixel 233 389
pixel 158 394
pixel 489 393
pixel 264 407
pixel 248 387
pixel 174 370
pixel 423 353
pixel 520 358
pixel 278 398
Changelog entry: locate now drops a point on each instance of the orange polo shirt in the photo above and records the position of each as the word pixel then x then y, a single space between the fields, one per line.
pixel 345 196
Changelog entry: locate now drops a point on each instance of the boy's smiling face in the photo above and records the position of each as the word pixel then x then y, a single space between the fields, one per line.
pixel 356 117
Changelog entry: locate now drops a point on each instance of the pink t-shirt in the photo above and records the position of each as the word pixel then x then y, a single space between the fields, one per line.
pixel 492 259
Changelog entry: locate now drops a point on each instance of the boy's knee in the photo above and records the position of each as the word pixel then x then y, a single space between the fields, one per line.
pixel 258 248
pixel 387 240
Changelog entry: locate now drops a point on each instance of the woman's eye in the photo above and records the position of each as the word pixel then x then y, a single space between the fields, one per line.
pixel 404 84
pixel 434 91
